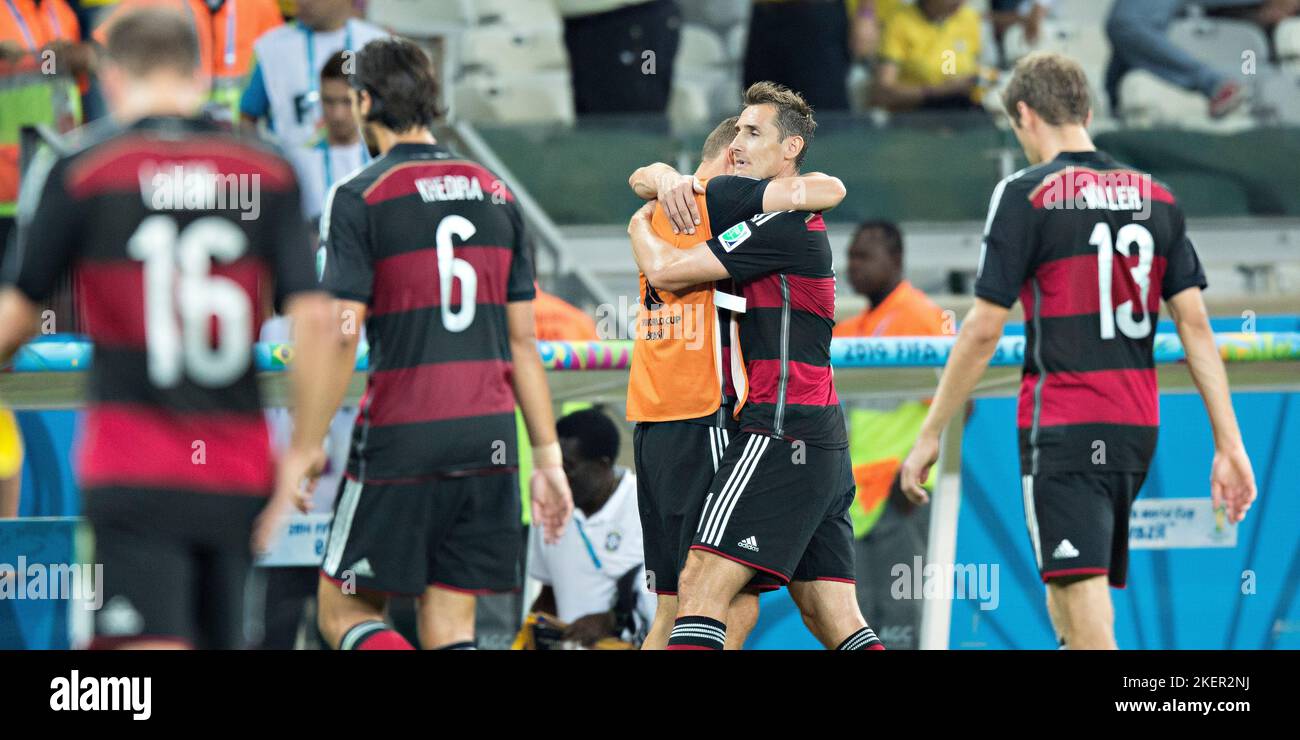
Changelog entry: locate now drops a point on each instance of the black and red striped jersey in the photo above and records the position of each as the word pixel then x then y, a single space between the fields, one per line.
pixel 782 262
pixel 1089 246
pixel 434 245
pixel 178 236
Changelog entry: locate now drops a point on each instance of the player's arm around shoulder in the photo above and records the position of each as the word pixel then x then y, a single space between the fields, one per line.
pixel 674 190
pixel 815 191
pixel 663 264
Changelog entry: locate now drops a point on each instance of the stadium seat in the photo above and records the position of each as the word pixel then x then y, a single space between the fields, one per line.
pixel 513 49
pixel 689 105
pixel 1222 44
pixel 1082 12
pixel 1279 96
pixel 700 49
pixel 1147 101
pixel 420 18
pixel 718 14
pixel 510 12
pixel 1286 39
pixel 537 97
pixel 1086 43
pixel 737 36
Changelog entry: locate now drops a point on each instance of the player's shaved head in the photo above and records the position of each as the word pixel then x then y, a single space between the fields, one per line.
pixel 149 38
pixel 719 139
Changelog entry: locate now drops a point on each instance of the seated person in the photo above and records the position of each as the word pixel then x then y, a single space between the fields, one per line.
pixel 929 58
pixel 593 578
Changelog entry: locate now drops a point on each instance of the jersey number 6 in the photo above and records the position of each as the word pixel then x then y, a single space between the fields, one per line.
pixel 451 267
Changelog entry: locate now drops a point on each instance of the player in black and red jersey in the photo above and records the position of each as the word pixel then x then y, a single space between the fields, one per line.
pixel 428 249
pixel 778 508
pixel 1089 246
pixel 177 236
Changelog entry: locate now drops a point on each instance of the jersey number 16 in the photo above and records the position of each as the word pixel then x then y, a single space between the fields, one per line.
pixel 182 297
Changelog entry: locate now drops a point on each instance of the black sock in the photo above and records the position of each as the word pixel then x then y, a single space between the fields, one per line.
pixel 863 639
pixel 462 645
pixel 697 633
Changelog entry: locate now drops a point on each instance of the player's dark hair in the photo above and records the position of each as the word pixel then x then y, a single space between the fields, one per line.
pixel 794 117
pixel 334 68
pixel 719 138
pixel 400 80
pixel 596 433
pixel 148 38
pixel 889 231
pixel 1053 85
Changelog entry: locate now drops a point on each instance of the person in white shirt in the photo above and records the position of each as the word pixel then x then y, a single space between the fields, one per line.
pixel 593 578
pixel 284 87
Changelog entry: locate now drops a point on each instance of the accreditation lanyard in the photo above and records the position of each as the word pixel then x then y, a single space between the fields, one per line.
pixel 22 26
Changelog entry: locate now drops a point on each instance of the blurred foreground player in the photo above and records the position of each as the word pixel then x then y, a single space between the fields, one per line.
pixel 1089 246
pixel 429 250
pixel 174 231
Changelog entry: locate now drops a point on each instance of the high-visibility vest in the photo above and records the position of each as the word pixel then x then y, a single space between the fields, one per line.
pixel 677 365
pixel 882 433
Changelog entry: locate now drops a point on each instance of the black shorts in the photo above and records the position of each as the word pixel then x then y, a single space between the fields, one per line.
pixel 176 565
pixel 459 533
pixel 782 508
pixel 675 463
pixel 1078 522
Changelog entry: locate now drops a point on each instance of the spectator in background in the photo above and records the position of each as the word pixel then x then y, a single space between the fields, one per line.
pixel 621 53
pixel 929 58
pixel 338 142
pixel 1027 13
pixel 804 45
pixel 227 30
pixel 594 576
pixel 284 89
pixel 869 20
pixel 1138 33
pixel 887 529
pixel 557 320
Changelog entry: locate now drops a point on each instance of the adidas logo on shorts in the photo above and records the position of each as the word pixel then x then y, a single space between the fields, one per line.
pixel 1065 551
pixel 749 543
pixel 362 568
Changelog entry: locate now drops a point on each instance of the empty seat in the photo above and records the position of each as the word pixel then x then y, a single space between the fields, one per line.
pixel 1086 44
pixel 510 12
pixel 1082 12
pixel 420 17
pixel 700 49
pixel 535 97
pixel 719 14
pixel 1279 96
pixel 1148 101
pixel 513 49
pixel 1286 39
pixel 1225 45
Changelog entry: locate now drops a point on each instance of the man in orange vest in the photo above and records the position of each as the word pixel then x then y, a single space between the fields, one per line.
pixel 557 320
pixel 686 371
pixel 887 530
pixel 226 31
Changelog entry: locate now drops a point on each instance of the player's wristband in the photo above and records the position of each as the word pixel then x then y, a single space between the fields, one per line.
pixel 547 456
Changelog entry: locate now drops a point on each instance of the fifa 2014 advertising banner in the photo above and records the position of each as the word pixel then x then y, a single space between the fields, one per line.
pixel 1165 524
